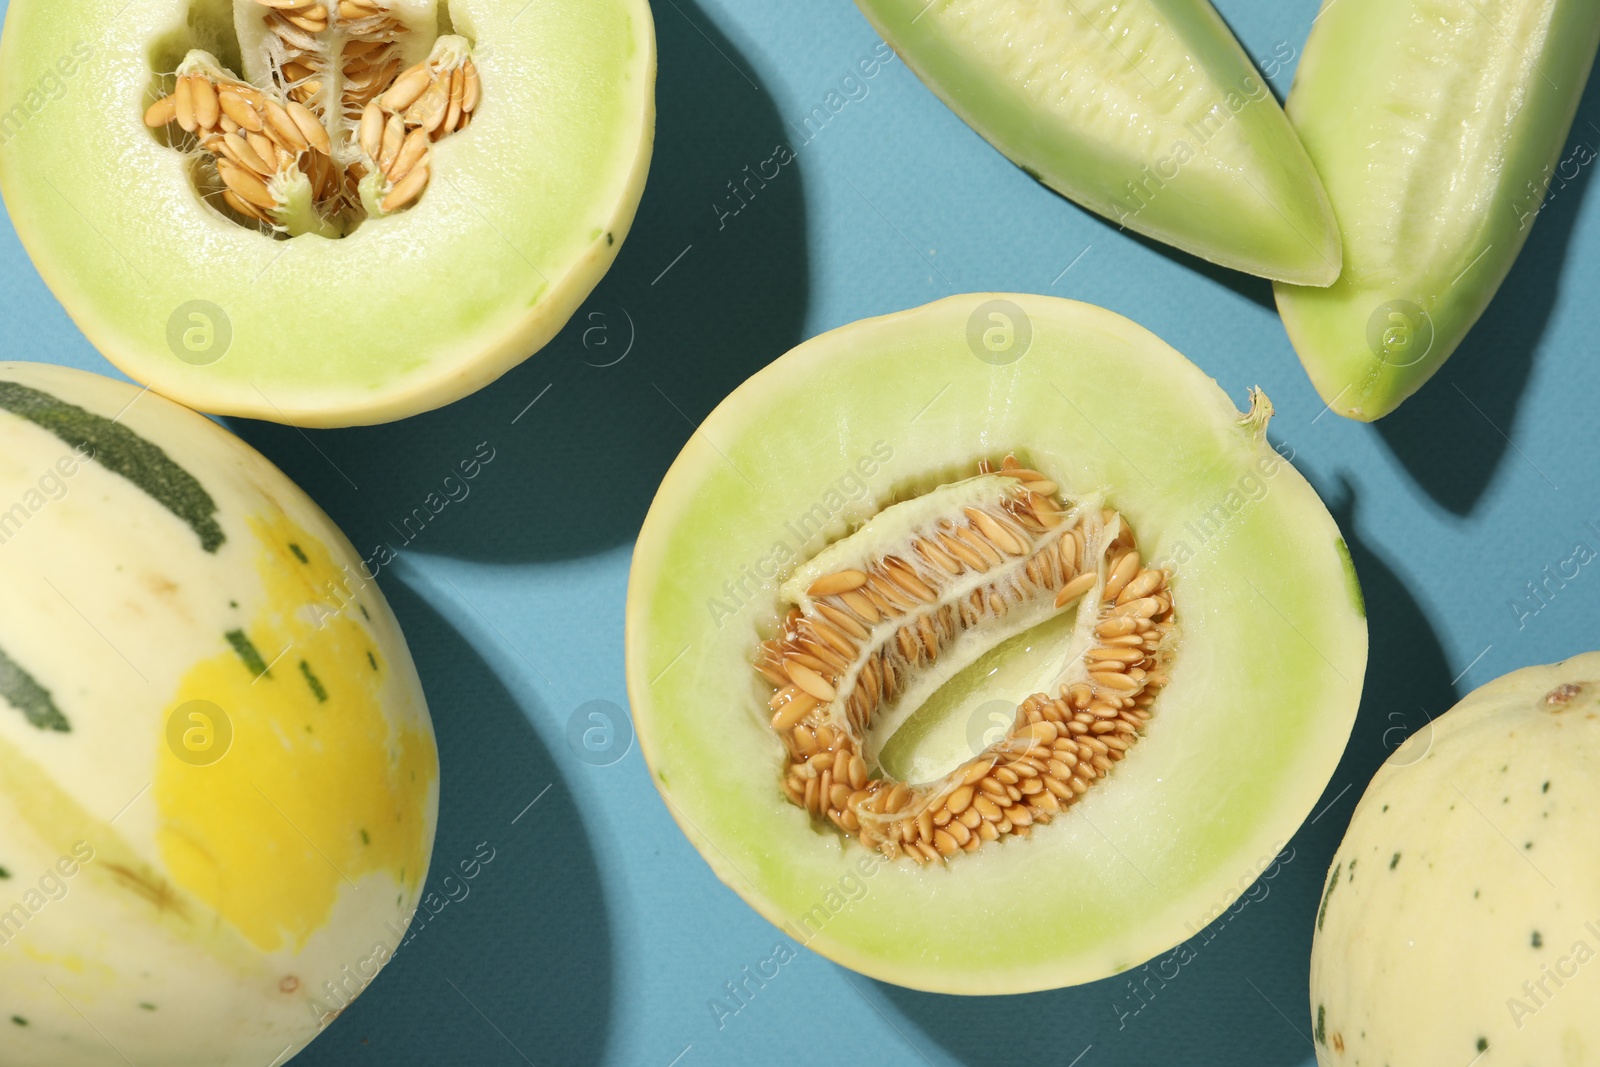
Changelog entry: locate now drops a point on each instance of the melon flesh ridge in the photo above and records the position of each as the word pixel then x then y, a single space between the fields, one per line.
pixel 888 533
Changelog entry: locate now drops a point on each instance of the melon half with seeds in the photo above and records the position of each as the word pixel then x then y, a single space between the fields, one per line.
pixel 1460 923
pixel 218 776
pixel 324 213
pixel 985 647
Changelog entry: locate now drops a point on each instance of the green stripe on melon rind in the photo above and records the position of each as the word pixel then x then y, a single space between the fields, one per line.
pixel 318 690
pixel 246 648
pixel 1327 894
pixel 20 690
pixel 124 452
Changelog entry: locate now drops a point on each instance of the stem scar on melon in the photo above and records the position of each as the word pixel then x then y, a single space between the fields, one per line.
pixel 943 574
pixel 337 134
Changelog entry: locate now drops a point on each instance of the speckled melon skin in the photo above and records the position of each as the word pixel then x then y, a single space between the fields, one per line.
pixel 1461 920
pixel 154 909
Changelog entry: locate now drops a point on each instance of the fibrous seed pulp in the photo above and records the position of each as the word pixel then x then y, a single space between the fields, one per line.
pixel 339 131
pixel 861 637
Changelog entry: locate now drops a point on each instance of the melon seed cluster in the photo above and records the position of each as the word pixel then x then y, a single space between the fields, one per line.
pixel 870 629
pixel 336 67
pixel 428 102
pixel 254 140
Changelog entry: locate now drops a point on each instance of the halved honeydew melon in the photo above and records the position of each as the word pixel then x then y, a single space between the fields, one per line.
pixel 324 221
pixel 853 472
pixel 1148 113
pixel 1436 126
pixel 218 777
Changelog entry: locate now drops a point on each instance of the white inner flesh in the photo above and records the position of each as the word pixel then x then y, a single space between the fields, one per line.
pixel 1048 673
pixel 893 532
pixel 264 54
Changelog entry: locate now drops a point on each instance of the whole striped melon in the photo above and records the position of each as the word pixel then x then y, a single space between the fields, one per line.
pixel 218 777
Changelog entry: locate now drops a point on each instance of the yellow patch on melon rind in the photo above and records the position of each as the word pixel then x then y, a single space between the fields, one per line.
pixel 321 785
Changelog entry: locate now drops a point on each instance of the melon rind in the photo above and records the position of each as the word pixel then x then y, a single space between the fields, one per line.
pixel 1150 114
pixel 228 911
pixel 1262 696
pixel 1437 128
pixel 526 211
pixel 1463 904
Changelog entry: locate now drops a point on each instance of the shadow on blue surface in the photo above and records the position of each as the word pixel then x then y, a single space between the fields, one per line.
pixel 1240 984
pixel 711 285
pixel 1252 288
pixel 521 942
pixel 1257 290
pixel 1454 433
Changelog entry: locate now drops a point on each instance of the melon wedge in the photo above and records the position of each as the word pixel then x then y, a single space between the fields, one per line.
pixel 1148 113
pixel 1437 126
pixel 788 485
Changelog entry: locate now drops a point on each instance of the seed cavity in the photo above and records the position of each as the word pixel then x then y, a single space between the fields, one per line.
pixel 337 131
pixel 997 553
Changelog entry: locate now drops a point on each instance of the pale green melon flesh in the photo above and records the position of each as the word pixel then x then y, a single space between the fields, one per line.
pixel 525 212
pixel 1263 689
pixel 941 733
pixel 1461 918
pixel 1148 113
pixel 1435 125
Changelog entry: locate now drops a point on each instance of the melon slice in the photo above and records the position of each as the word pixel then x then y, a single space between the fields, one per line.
pixel 1148 113
pixel 218 776
pixel 1460 920
pixel 984 646
pixel 324 214
pixel 1437 126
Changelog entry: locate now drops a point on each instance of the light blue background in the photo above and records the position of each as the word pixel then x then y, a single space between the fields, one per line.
pixel 597 935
